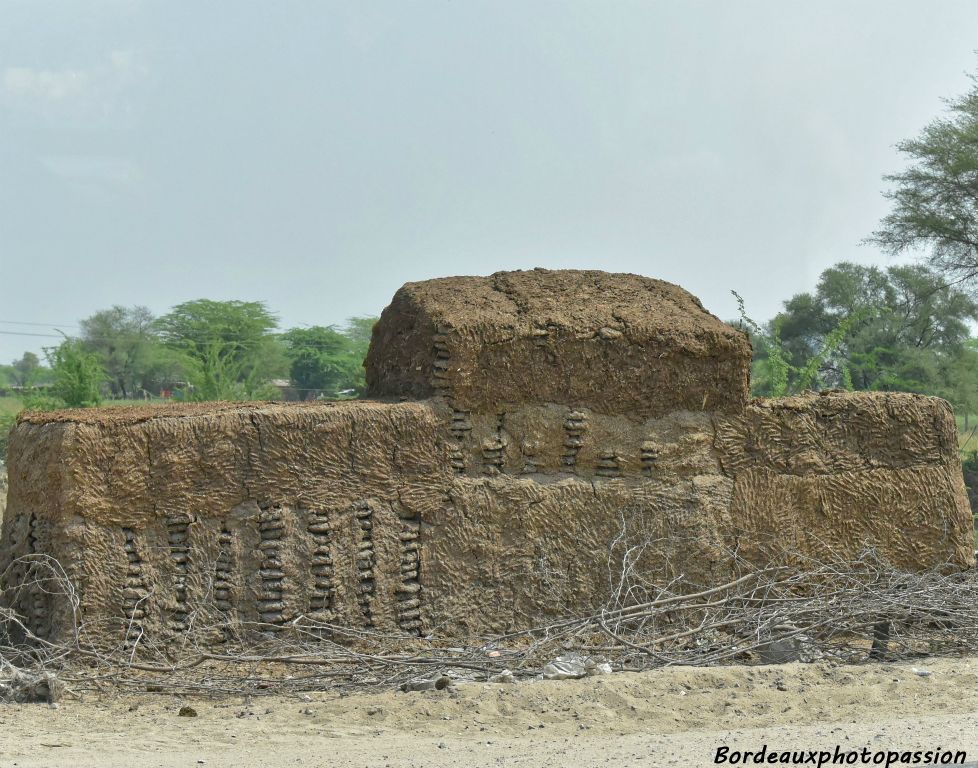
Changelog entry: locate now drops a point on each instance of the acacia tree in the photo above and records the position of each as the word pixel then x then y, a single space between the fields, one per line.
pixel 228 347
pixel 935 199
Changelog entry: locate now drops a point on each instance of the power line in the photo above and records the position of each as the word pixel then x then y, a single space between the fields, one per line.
pixel 24 333
pixel 44 325
pixel 200 337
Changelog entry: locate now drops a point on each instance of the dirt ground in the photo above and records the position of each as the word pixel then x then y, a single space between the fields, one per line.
pixel 676 716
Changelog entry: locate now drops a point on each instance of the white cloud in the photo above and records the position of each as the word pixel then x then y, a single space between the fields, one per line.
pixel 45 85
pixel 52 91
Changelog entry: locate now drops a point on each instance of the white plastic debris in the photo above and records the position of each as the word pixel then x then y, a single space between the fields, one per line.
pixel 600 668
pixel 569 667
pixel 573 666
pixel 920 671
pixel 506 676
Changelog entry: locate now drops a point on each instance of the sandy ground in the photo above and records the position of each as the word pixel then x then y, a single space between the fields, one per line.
pixel 676 716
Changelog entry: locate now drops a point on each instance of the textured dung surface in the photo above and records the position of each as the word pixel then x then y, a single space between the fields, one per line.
pixel 839 431
pixel 837 472
pixel 256 512
pixel 612 343
pixel 409 516
pixel 134 414
pixel 822 476
pixel 573 416
pixel 512 552
pixel 533 440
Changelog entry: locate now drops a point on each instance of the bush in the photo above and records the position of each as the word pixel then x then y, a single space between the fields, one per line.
pixel 78 375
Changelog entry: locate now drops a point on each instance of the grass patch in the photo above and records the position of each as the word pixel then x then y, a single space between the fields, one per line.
pixel 10 406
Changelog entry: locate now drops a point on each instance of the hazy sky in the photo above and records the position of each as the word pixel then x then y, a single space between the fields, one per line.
pixel 316 155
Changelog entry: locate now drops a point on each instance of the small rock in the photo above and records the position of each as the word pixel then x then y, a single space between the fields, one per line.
pixel 436 684
pixel 187 712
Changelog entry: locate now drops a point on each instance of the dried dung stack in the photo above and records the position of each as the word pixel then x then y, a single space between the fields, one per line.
pixel 612 343
pixel 228 513
pixel 570 418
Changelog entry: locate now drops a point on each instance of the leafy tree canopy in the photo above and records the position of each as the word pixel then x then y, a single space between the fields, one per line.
pixel 78 376
pixel 329 359
pixel 935 199
pixel 228 347
pixel 25 369
pixel 127 344
pixel 900 328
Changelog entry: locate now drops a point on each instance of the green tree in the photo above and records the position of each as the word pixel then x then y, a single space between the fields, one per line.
pixel 935 199
pixel 904 329
pixel 78 375
pixel 25 369
pixel 359 330
pixel 773 372
pixel 961 376
pixel 329 359
pixel 228 347
pixel 321 359
pixel 128 346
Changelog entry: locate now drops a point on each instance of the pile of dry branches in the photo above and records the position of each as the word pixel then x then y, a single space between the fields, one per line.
pixel 804 611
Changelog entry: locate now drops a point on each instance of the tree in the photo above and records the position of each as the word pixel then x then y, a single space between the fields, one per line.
pixel 359 330
pixel 25 369
pixel 78 376
pixel 904 329
pixel 935 200
pixel 773 372
pixel 961 376
pixel 228 347
pixel 127 344
pixel 324 359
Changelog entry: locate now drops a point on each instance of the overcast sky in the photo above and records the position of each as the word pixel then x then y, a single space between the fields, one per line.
pixel 317 155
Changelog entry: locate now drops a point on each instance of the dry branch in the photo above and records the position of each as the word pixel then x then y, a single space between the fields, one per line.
pixel 807 612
